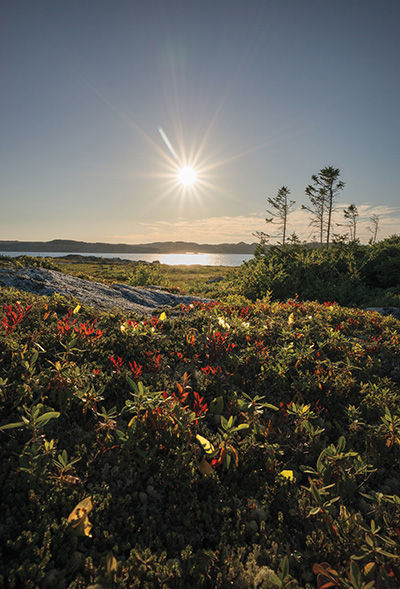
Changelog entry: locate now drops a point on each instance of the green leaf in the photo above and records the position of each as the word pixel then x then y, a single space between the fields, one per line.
pixel 269 406
pixel 308 469
pixel 315 494
pixel 12 425
pixel 385 553
pixel 341 445
pixel 217 405
pixel 355 575
pixel 274 579
pixel 120 435
pixel 320 464
pixel 369 497
pixel 132 384
pixel 284 566
pixel 331 501
pixel 241 426
pixel 63 458
pixel 46 417
pixel 369 540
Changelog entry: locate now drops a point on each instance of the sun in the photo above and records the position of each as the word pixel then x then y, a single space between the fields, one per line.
pixel 187 176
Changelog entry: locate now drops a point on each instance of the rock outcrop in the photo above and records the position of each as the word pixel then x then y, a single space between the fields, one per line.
pixel 42 281
pixel 395 311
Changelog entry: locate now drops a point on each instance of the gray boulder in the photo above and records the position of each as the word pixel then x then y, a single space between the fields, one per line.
pixel 42 281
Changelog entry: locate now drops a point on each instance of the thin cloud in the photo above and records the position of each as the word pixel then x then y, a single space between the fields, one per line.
pixel 232 229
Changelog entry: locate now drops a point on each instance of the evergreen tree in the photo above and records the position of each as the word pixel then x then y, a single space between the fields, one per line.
pixel 374 227
pixel 317 208
pixel 322 193
pixel 351 214
pixel 281 206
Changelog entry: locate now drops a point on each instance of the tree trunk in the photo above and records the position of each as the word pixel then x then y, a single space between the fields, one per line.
pixel 328 229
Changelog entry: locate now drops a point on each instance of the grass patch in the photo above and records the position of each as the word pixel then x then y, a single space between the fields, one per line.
pixel 194 279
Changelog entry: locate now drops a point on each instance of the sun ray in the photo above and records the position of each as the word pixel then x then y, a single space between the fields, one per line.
pixel 192 175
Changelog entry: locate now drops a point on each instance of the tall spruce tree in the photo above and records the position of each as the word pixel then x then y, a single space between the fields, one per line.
pixel 317 199
pixel 373 229
pixel 322 193
pixel 281 205
pixel 351 214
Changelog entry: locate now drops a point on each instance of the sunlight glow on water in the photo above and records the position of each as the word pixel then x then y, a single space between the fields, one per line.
pixel 170 259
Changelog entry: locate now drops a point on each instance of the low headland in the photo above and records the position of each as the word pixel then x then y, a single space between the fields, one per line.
pixel 160 247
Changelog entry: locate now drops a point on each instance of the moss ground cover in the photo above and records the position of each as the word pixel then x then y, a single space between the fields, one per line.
pixel 231 445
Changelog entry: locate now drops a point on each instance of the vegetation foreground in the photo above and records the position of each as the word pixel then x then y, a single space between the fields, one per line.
pixel 229 446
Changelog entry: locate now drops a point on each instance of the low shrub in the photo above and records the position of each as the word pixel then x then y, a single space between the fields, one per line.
pixel 351 274
pixel 146 275
pixel 230 444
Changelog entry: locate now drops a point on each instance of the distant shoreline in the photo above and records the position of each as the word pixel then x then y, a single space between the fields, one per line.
pixel 167 247
pixel 169 259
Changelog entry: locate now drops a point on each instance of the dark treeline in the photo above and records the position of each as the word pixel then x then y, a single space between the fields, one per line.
pixel 351 274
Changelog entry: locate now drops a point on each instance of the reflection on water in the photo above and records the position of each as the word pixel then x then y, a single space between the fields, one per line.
pixel 170 259
pixel 203 259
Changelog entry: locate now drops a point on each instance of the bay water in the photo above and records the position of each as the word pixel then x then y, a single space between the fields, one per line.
pixel 170 259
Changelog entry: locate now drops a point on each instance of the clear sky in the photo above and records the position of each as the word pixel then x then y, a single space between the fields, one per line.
pixel 254 94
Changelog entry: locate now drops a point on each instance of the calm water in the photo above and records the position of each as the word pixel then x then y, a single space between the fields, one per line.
pixel 171 259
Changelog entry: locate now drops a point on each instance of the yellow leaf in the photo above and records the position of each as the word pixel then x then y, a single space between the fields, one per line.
pixel 78 518
pixel 163 316
pixel 205 467
pixel 344 514
pixel 76 310
pixel 206 445
pixel 123 327
pixel 111 563
pixel 288 474
pixel 368 567
pixel 48 446
pixel 291 319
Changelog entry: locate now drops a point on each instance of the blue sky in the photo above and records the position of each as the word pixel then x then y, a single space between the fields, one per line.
pixel 263 93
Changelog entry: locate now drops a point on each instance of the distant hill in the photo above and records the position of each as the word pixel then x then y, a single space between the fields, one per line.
pixel 157 247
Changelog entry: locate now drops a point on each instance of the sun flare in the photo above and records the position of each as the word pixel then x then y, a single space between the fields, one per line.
pixel 187 176
pixel 186 172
